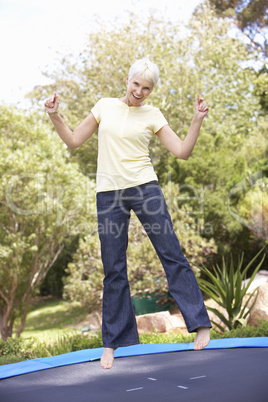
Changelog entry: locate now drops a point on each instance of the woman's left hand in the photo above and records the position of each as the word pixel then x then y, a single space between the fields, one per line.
pixel 201 108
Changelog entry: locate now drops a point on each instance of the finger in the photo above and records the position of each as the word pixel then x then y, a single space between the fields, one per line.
pixel 202 103
pixel 203 108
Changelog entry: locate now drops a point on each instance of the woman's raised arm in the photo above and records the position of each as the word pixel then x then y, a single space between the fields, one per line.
pixel 183 149
pixel 73 139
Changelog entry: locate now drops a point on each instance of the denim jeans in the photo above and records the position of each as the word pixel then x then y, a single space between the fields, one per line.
pixel 147 201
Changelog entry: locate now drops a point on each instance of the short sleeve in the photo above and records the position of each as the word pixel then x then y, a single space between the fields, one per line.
pixel 159 120
pixel 96 111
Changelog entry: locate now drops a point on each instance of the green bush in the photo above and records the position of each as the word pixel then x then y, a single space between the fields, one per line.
pixel 84 342
pixel 245 332
pixel 176 337
pixel 17 347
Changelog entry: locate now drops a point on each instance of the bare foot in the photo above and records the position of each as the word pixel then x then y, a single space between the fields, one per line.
pixel 107 358
pixel 202 338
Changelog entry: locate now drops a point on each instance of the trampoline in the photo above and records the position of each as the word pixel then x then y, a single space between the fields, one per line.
pixel 227 370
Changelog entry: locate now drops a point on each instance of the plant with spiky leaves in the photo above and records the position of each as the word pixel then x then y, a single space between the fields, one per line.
pixel 228 289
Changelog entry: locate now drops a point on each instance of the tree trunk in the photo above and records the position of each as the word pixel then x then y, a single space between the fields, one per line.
pixel 22 323
pixel 5 328
pixel 6 319
pixel 1 326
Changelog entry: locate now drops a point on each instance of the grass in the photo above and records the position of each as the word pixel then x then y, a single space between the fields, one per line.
pixel 10 359
pixel 50 318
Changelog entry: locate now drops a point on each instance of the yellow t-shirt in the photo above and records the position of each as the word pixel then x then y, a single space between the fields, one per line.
pixel 123 139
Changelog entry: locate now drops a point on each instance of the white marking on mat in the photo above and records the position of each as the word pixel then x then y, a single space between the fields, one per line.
pixel 152 379
pixel 195 378
pixel 180 386
pixel 134 389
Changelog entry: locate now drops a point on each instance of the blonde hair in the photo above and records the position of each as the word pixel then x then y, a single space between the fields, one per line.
pixel 145 68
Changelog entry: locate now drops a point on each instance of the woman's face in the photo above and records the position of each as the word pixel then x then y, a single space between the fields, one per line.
pixel 138 89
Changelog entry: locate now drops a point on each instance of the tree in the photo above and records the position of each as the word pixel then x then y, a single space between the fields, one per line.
pixel 254 208
pixel 42 198
pixel 232 144
pixel 251 17
pixel 53 282
pixel 261 89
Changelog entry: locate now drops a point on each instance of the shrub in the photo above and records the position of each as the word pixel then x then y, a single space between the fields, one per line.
pixel 227 289
pixel 21 348
pixel 67 343
pixel 245 332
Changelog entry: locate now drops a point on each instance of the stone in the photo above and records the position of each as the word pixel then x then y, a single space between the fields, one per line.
pixel 160 322
pixel 177 321
pixel 91 323
pixel 260 309
pixel 260 279
pixel 154 322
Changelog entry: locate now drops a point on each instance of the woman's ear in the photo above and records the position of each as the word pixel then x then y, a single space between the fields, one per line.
pixel 127 80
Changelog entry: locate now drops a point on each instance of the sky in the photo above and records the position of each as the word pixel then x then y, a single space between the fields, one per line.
pixel 33 32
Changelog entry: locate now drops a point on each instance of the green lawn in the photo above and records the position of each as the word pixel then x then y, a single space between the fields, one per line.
pixel 51 317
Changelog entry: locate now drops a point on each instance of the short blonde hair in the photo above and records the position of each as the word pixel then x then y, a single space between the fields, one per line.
pixel 145 68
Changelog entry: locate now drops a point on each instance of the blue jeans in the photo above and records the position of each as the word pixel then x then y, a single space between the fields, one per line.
pixel 147 201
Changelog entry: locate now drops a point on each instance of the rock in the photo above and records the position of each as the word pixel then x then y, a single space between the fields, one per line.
pixel 90 323
pixel 260 309
pixel 260 279
pixel 160 322
pixel 177 321
pixel 156 321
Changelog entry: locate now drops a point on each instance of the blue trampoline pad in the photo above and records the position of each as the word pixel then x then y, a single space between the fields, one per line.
pixel 231 374
pixel 88 355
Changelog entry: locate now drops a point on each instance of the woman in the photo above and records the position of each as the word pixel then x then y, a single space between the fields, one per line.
pixel 126 181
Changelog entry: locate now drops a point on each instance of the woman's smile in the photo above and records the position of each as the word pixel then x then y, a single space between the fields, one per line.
pixel 138 89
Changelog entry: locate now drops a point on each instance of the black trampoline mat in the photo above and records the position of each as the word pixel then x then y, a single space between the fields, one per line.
pixel 221 375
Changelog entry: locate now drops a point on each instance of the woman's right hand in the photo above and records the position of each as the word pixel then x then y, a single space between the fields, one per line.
pixel 52 104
